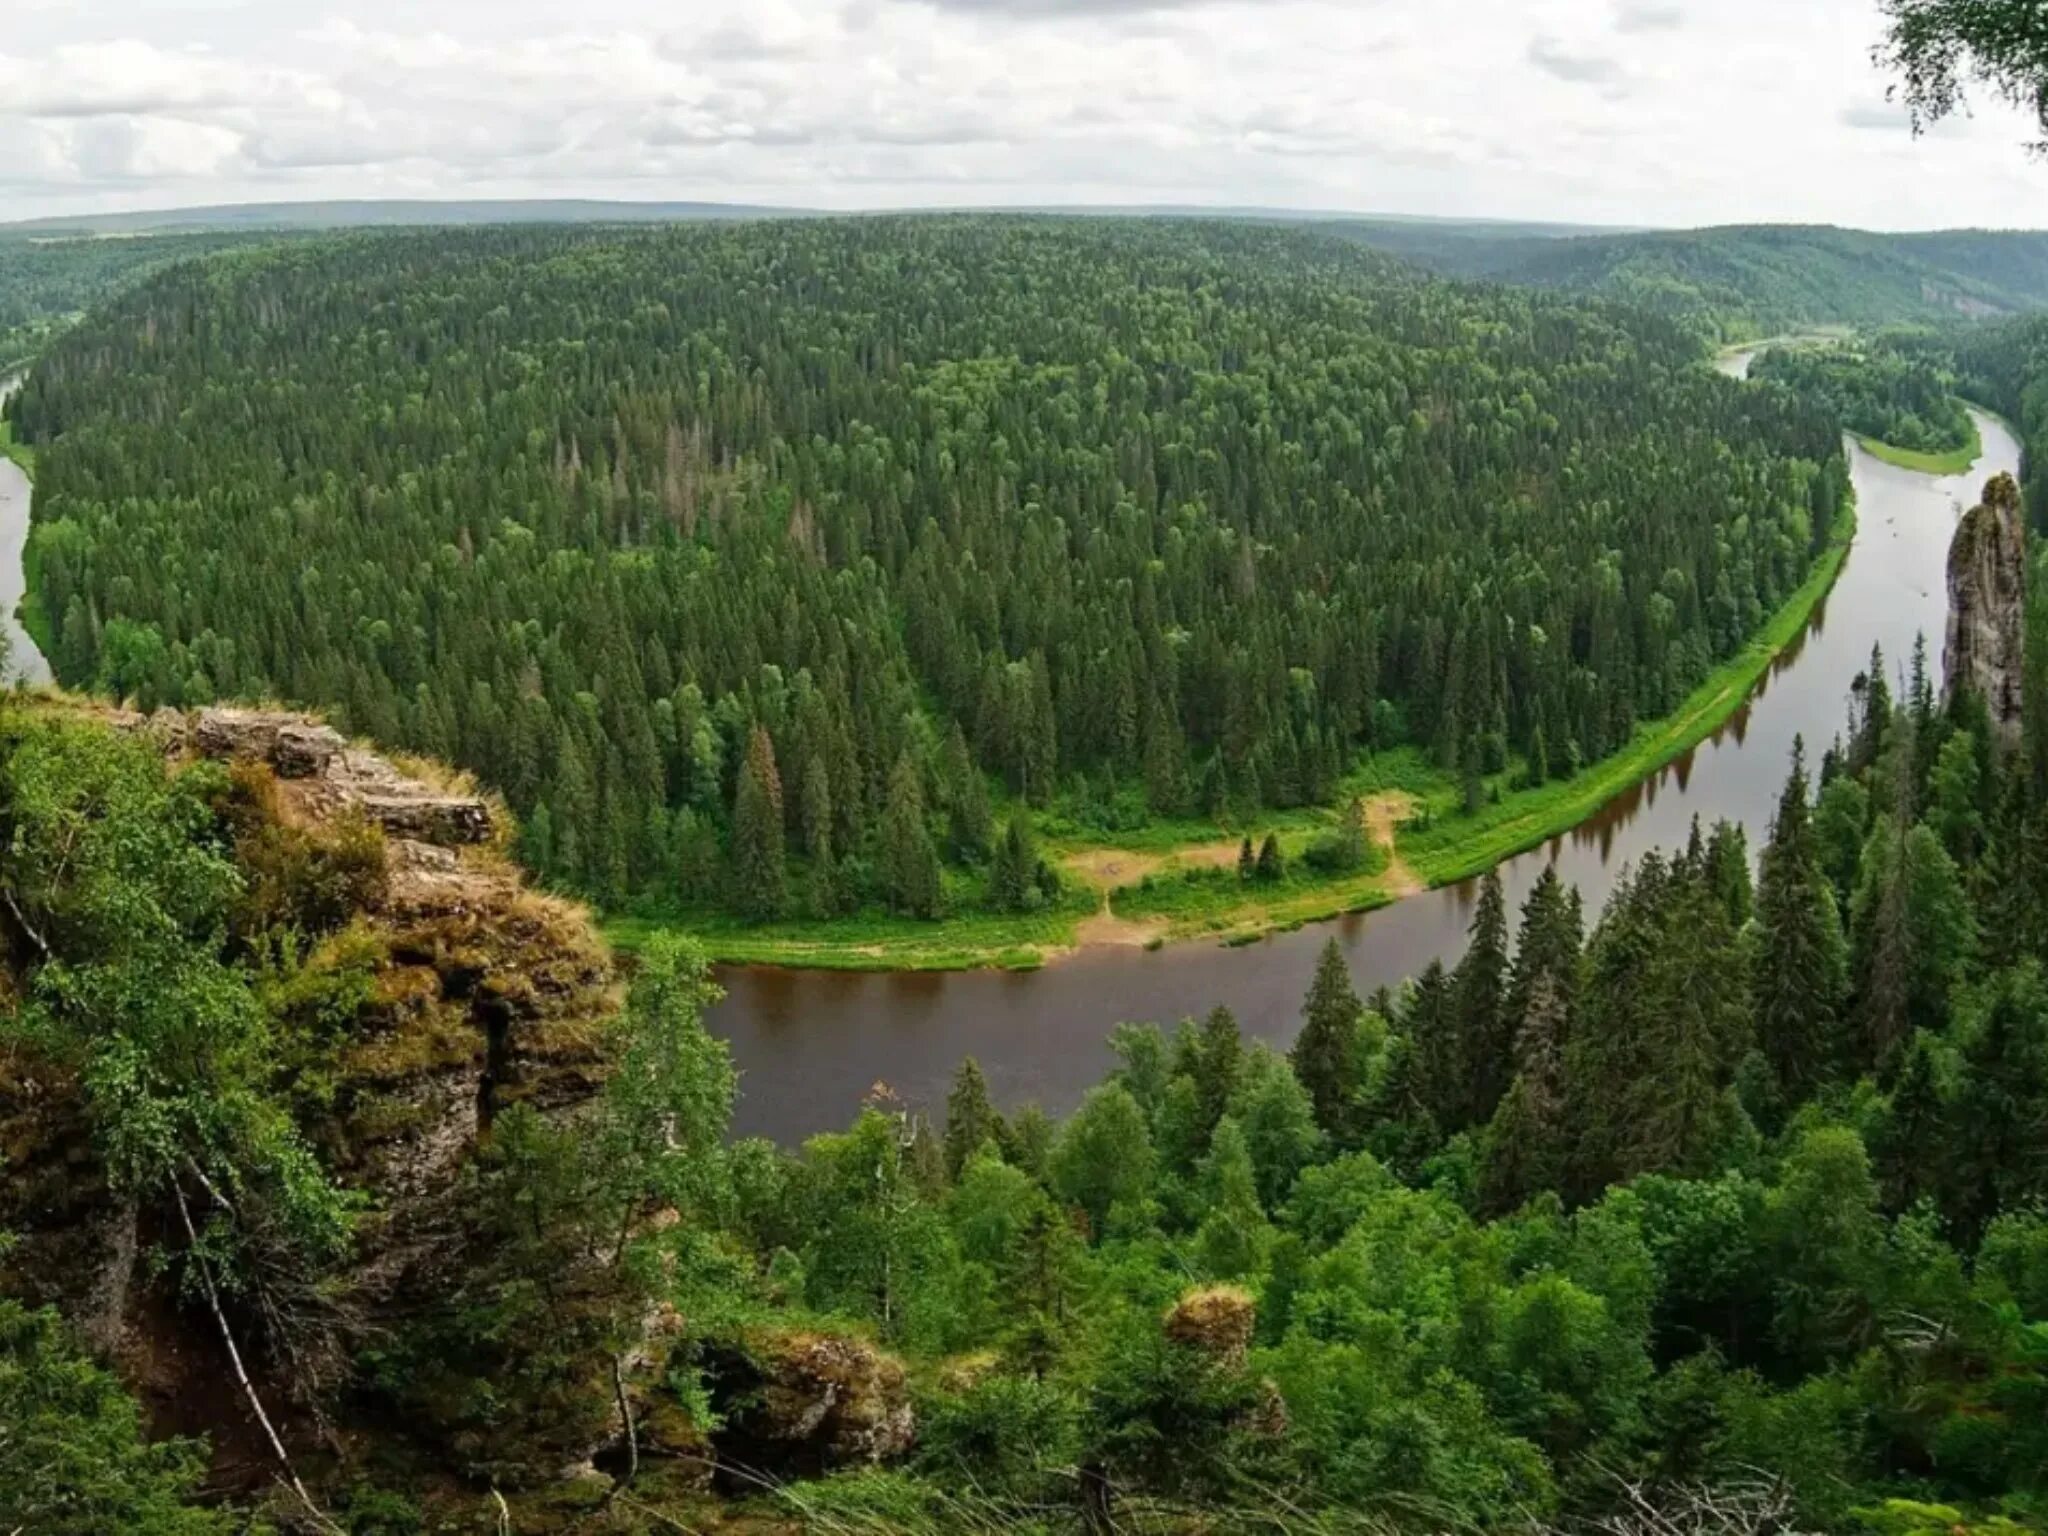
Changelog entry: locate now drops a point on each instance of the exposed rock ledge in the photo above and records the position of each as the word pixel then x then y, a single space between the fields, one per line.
pixel 327 774
pixel 485 993
pixel 1987 594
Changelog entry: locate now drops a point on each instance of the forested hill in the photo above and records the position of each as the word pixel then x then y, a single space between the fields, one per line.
pixel 366 212
pixel 745 559
pixel 46 282
pixel 1745 281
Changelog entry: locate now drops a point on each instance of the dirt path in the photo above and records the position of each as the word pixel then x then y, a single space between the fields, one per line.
pixel 1105 930
pixel 1383 816
pixel 1114 869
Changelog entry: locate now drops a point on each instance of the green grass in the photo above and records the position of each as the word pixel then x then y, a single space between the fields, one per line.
pixel 1442 845
pixel 21 453
pixel 1952 462
pixel 1457 847
pixel 870 941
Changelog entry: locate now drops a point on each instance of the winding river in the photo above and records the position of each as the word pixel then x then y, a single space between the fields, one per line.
pixel 23 661
pixel 810 1045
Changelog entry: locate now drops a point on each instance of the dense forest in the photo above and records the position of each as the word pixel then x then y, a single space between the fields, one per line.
pixel 1746 281
pixel 1880 391
pixel 1720 1210
pixel 760 565
pixel 46 282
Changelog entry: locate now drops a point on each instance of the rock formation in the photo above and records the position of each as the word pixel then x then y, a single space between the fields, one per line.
pixel 1987 588
pixel 804 1403
pixel 484 993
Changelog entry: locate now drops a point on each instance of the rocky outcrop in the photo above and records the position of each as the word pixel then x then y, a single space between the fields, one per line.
pixel 483 993
pixel 798 1404
pixel 1216 1322
pixel 1987 588
pixel 328 775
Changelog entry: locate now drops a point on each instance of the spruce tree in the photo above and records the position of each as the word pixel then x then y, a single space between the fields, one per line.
pixel 910 864
pixel 1325 1054
pixel 759 875
pixel 1272 866
pixel 1233 1236
pixel 1799 972
pixel 971 1118
pixel 1247 861
pixel 1479 1006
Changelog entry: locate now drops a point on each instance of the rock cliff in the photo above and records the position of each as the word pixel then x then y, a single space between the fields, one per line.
pixel 480 992
pixel 1987 586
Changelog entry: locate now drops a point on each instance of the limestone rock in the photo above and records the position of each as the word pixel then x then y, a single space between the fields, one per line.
pixel 1217 1321
pixel 1987 587
pixel 803 1403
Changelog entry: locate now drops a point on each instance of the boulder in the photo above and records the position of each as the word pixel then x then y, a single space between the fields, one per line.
pixel 799 1403
pixel 1987 588
pixel 1217 1322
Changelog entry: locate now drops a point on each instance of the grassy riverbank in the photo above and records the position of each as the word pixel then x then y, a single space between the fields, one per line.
pixel 30 609
pixel 1171 882
pixel 1952 462
pixel 21 453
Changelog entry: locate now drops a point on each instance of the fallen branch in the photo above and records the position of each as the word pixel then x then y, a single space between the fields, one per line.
pixel 291 1476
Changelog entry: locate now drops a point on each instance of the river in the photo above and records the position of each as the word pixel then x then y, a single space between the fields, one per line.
pixel 24 661
pixel 811 1044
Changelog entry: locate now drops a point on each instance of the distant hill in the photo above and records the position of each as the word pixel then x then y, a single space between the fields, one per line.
pixel 385 212
pixel 1748 280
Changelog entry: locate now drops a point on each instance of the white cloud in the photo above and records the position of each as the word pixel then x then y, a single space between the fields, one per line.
pixel 1616 111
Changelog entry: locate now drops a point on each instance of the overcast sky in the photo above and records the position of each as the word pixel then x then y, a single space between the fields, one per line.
pixel 1602 111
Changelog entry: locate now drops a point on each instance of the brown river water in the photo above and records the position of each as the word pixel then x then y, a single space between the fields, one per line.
pixel 810 1045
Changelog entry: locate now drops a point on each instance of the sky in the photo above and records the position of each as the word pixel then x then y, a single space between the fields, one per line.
pixel 1632 112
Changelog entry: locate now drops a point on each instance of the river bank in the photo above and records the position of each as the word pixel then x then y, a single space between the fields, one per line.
pixel 1174 885
pixel 25 638
pixel 811 1044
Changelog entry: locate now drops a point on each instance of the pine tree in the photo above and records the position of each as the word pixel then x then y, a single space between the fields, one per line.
pixel 1325 1054
pixel 910 864
pixel 1799 972
pixel 1247 861
pixel 759 875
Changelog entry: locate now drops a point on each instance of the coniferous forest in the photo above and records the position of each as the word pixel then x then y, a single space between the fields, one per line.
pixel 1724 1209
pixel 760 566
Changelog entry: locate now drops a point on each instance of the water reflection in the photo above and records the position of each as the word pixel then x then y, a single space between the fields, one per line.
pixel 811 1044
